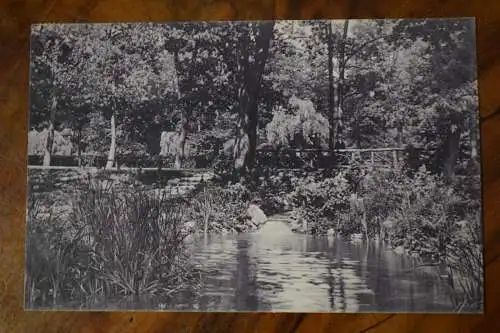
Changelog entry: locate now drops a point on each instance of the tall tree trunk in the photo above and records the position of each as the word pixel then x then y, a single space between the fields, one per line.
pixel 358 134
pixel 112 147
pixel 340 83
pixel 246 143
pixel 399 139
pixel 331 92
pixel 49 141
pixel 181 139
pixel 181 143
pixel 451 150
pixel 357 127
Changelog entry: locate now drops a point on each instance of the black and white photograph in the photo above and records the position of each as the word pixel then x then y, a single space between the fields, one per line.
pixel 264 166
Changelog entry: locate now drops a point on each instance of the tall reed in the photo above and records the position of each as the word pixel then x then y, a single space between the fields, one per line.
pixel 464 263
pixel 119 243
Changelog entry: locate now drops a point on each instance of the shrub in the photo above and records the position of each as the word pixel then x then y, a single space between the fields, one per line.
pixel 223 167
pixel 218 209
pixel 419 206
pixel 437 221
pixel 320 202
pixel 137 239
pixel 269 190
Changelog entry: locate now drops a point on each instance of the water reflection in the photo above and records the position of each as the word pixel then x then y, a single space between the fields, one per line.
pixel 291 272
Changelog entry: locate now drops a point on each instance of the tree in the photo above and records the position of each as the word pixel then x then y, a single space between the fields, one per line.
pixel 356 47
pixel 203 66
pixel 123 74
pixel 113 79
pixel 445 89
pixel 255 39
pixel 52 55
pixel 324 57
pixel 296 67
pixel 300 126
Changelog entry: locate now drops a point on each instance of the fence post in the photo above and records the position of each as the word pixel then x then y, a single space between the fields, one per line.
pixel 395 157
pixel 372 153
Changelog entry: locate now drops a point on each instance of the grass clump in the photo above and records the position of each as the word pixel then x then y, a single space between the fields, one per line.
pixel 115 244
pixel 218 209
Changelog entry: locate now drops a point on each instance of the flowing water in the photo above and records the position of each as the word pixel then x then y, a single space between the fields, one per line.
pixel 277 270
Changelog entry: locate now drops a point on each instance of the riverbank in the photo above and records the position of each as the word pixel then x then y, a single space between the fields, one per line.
pixel 100 235
pixel 410 214
pixel 418 214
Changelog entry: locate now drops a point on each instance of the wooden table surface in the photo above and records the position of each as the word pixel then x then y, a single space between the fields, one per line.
pixel 15 18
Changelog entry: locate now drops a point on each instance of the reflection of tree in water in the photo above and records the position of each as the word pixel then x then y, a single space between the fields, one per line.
pixel 394 282
pixel 257 272
pixel 375 270
pixel 336 293
pixel 216 257
pixel 369 257
pixel 246 297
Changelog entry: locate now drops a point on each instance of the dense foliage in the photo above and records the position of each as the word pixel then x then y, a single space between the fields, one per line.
pixel 395 83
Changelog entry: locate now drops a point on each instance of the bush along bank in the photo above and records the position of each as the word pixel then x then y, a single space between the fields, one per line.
pixel 420 214
pixel 223 209
pixel 242 206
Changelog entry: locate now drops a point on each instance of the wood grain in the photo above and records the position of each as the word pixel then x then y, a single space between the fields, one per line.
pixel 15 18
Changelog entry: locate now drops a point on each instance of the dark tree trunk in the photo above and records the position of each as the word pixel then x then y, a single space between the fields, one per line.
pixel 342 66
pixel 452 146
pixel 358 134
pixel 357 127
pixel 252 72
pixel 399 140
pixel 331 92
pixel 340 84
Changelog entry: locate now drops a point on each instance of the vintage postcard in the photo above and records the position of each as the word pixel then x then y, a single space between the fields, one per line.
pixel 288 166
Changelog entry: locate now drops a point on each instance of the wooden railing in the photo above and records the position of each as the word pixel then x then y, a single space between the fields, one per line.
pixel 373 155
pixel 122 162
pixel 62 167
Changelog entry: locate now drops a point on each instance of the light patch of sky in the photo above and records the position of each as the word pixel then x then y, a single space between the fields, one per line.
pixel 304 28
pixel 295 32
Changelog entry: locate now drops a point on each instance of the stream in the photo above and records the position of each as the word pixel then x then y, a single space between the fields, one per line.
pixel 275 269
